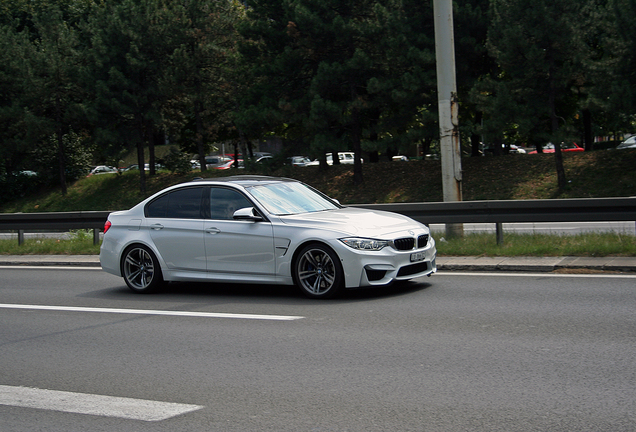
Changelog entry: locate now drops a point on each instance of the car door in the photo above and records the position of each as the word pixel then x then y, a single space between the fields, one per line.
pixel 175 221
pixel 236 247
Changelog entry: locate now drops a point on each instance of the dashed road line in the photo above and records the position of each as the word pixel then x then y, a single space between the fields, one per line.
pixel 98 405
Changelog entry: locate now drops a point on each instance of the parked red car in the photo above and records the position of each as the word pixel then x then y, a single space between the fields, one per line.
pixel 565 147
pixel 229 164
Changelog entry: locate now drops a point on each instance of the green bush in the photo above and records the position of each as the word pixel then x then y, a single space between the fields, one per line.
pixel 177 162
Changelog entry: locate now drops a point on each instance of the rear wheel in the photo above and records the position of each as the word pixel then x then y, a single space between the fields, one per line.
pixel 141 270
pixel 318 272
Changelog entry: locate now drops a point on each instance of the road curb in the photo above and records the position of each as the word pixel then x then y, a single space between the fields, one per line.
pixel 536 264
pixel 50 260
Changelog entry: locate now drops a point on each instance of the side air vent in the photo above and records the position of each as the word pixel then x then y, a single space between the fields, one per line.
pixel 375 275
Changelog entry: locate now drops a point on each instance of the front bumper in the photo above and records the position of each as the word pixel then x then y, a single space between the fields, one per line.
pixel 365 269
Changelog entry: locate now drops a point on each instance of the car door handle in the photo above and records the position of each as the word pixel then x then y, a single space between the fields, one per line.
pixel 212 230
pixel 156 227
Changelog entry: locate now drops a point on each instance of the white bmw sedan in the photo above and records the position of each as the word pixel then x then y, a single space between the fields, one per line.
pixel 255 229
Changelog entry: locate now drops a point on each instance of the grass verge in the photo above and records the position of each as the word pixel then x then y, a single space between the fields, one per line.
pixel 585 244
pixel 78 242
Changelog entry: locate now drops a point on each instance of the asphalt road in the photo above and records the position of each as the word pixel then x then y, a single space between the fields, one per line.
pixel 454 352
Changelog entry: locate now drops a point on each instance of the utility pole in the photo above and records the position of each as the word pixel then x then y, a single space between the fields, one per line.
pixel 448 108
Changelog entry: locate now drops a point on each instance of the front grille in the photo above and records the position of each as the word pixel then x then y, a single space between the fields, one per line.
pixel 412 269
pixel 406 243
pixel 422 241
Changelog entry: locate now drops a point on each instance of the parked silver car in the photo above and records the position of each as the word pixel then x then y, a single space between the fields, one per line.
pixel 257 229
pixel 629 143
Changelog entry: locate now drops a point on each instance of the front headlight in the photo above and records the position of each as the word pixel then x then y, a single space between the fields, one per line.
pixel 364 243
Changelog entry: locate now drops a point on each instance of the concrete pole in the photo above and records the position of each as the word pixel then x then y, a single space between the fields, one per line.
pixel 448 108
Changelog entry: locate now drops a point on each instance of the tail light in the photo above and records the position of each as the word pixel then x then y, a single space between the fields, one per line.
pixel 107 226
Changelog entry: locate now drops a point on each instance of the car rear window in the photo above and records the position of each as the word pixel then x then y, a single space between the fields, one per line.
pixel 179 204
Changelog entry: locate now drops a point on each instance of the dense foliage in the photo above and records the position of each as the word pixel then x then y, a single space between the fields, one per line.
pixel 107 78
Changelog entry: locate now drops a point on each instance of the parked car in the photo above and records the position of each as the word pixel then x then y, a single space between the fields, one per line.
pixel 258 229
pixel 629 143
pixel 211 161
pixel 102 169
pixel 346 158
pixel 516 149
pixel 136 167
pixel 488 149
pixel 264 159
pixel 259 154
pixel 215 161
pixel 299 161
pixel 401 158
pixel 230 164
pixel 28 173
pixel 565 147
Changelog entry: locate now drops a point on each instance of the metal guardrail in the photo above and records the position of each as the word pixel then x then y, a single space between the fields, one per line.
pixel 558 210
pixel 30 222
pixel 497 212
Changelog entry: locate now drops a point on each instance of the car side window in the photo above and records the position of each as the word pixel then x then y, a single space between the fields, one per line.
pixel 224 202
pixel 179 204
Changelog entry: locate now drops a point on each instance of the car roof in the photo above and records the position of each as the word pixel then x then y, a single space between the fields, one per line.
pixel 245 180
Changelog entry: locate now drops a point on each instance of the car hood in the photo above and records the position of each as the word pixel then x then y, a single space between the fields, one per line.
pixel 355 221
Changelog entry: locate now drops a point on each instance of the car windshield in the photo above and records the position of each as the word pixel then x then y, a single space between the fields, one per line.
pixel 290 198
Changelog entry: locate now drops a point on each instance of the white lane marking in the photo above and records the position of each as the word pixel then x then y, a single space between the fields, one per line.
pixel 153 312
pixel 546 274
pixel 83 403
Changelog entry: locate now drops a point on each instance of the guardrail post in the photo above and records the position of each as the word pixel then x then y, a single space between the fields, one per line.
pixel 20 237
pixel 96 236
pixel 499 229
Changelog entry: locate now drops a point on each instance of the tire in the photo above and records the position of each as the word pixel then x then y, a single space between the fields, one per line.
pixel 141 270
pixel 317 271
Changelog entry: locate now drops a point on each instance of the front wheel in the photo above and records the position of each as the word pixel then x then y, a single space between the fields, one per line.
pixel 318 272
pixel 141 270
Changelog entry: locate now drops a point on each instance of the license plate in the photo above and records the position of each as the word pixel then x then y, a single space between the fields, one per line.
pixel 418 256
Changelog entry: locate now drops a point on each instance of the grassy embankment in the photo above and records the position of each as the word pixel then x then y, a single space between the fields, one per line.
pixel 590 175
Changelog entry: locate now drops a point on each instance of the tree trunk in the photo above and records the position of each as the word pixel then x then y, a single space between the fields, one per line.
pixel 156 139
pixel 558 155
pixel 235 164
pixel 475 139
pixel 61 151
pixel 357 148
pixel 141 163
pixel 200 136
pixel 587 127
pixel 374 156
pixel 61 156
pixel 497 146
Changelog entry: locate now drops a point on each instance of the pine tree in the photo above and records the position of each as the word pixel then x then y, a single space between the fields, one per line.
pixel 54 88
pixel 15 49
pixel 540 56
pixel 202 74
pixel 129 43
pixel 345 73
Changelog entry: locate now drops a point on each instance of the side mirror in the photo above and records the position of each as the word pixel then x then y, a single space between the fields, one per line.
pixel 247 213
